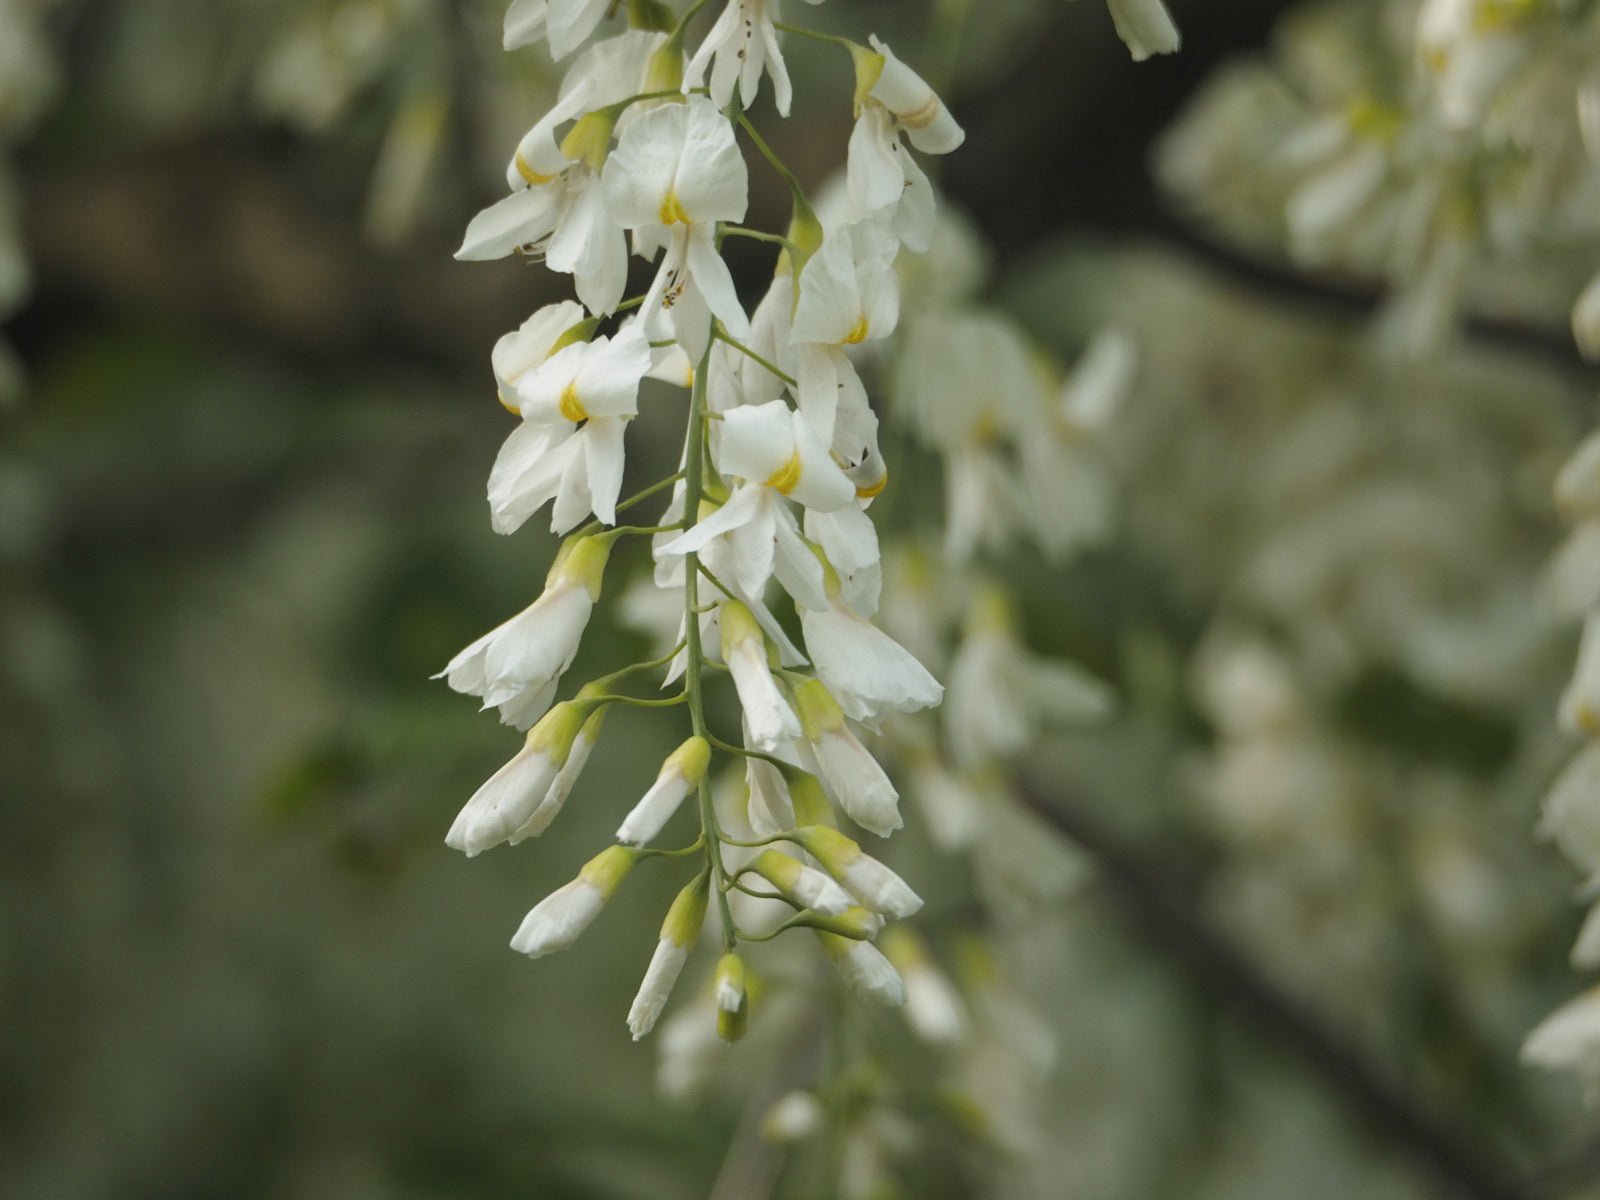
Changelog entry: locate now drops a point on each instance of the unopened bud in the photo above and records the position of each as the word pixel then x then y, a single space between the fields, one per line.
pixel 733 1004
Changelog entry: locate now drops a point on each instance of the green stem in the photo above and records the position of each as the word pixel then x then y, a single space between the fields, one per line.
pixel 638 702
pixel 767 152
pixel 777 239
pixel 694 490
pixel 751 354
pixel 742 752
pixel 606 681
pixel 594 527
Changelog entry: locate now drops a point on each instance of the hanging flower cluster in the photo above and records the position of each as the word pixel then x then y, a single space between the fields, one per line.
pixel 644 150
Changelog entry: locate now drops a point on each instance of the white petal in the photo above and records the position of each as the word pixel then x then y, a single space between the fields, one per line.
pixel 869 672
pixel 666 964
pixel 521 218
pixel 558 920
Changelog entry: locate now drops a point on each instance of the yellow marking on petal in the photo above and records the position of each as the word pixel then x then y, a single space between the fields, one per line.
pixel 507 404
pixel 671 212
pixel 858 332
pixel 873 489
pixel 1587 719
pixel 528 173
pixel 571 407
pixel 787 477
pixel 923 115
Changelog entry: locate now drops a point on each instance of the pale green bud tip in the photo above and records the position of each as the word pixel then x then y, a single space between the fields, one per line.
pixel 664 71
pixel 690 760
pixel 810 802
pixel 556 731
pixel 585 563
pixel 819 712
pixel 776 867
pixel 571 336
pixel 854 924
pixel 606 870
pixel 688 913
pixel 829 847
pixel 738 626
pixel 869 67
pixel 589 140
pixel 728 989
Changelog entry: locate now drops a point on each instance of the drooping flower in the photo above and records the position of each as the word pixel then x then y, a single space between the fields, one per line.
pixel 682 772
pixel 575 407
pixel 741 47
pixel 678 933
pixel 558 920
pixel 517 665
pixel 675 173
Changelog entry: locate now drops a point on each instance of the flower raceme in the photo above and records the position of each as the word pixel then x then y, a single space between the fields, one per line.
pixel 780 465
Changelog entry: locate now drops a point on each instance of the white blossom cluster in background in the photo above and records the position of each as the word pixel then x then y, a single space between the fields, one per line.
pixel 1449 149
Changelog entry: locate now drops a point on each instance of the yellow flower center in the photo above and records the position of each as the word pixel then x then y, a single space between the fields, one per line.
pixel 787 477
pixel 671 212
pixel 858 332
pixel 571 407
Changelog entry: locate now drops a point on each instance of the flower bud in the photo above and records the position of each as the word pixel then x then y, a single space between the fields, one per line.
pixel 558 920
pixel 793 1118
pixel 767 714
pixel 682 772
pixel 678 934
pixel 933 1006
pixel 863 876
pixel 802 886
pixel 589 139
pixel 915 105
pixel 733 1009
pixel 863 966
pixel 517 791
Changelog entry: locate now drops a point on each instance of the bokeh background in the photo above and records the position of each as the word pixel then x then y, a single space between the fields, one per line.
pixel 249 414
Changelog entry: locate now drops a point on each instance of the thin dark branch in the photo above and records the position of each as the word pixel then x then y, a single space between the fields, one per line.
pixel 1182 931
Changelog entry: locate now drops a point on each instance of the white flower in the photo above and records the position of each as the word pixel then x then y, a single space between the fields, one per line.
pixel 1569 1039
pixel 933 1006
pixel 849 294
pixel 519 351
pixel 565 23
pixel 1580 703
pixel 864 877
pixel 675 173
pixel 1571 812
pixel 999 692
pixel 868 672
pixel 802 886
pixel 777 453
pixel 916 107
pixel 508 797
pixel 739 49
pixel 879 175
pixel 793 1117
pixel 1586 319
pixel 863 966
pixel 555 798
pixel 678 934
pixel 1145 27
pixel 682 772
pixel 849 539
pixel 1577 487
pixel 575 406
pixel 768 719
pixel 852 775
pixel 517 665
pixel 558 920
